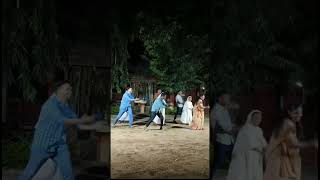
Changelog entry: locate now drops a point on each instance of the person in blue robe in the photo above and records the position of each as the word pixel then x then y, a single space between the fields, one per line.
pixel 125 106
pixel 49 140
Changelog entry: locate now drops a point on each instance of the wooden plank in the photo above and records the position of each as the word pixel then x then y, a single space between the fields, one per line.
pixel 103 149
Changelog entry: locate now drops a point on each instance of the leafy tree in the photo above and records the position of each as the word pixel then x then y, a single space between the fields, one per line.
pixel 175 55
pixel 33 46
pixel 120 55
pixel 247 49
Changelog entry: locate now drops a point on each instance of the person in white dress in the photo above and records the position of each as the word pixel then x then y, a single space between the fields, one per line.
pixel 186 116
pixel 157 120
pixel 247 155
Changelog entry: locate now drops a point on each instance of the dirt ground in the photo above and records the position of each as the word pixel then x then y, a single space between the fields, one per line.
pixel 175 152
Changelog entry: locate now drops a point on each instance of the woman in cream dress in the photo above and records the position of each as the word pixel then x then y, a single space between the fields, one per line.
pixel 198 114
pixel 283 161
pixel 247 155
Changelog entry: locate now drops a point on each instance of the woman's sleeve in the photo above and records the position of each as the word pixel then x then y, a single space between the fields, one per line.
pixel 263 140
pixel 254 141
pixel 292 139
pixel 285 129
pixel 200 105
pixel 191 106
pixel 289 134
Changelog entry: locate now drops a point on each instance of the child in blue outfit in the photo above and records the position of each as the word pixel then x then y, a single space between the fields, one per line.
pixel 125 106
pixel 157 105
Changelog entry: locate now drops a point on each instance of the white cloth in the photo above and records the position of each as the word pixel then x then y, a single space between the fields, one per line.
pixel 186 116
pixel 247 155
pixel 179 101
pixel 222 118
pixel 163 112
pixel 48 171
pixel 157 119
pixel 124 117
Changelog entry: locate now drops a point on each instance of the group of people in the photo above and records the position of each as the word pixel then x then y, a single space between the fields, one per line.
pixel 192 115
pixel 248 150
pixel 246 147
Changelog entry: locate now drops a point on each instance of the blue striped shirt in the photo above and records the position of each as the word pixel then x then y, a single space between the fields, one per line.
pixel 50 129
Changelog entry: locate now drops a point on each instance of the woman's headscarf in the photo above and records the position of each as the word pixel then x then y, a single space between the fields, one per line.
pixel 250 115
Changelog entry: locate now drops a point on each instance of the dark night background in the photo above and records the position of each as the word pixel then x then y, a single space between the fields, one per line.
pixel 255 49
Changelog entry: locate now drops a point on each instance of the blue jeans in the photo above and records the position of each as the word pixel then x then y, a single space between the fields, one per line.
pixel 39 156
pixel 153 115
pixel 121 112
pixel 222 152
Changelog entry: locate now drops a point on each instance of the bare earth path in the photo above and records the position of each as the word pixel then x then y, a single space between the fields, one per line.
pixel 176 152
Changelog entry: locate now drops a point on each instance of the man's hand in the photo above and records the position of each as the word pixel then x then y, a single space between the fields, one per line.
pixel 136 99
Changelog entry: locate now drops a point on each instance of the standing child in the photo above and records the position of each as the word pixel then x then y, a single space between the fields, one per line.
pixel 158 104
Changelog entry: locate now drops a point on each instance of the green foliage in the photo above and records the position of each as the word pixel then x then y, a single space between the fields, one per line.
pixel 176 57
pixel 33 47
pixel 247 51
pixel 171 111
pixel 115 109
pixel 120 75
pixel 15 150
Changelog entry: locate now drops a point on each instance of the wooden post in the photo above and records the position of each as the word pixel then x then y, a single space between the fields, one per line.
pixel 103 146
